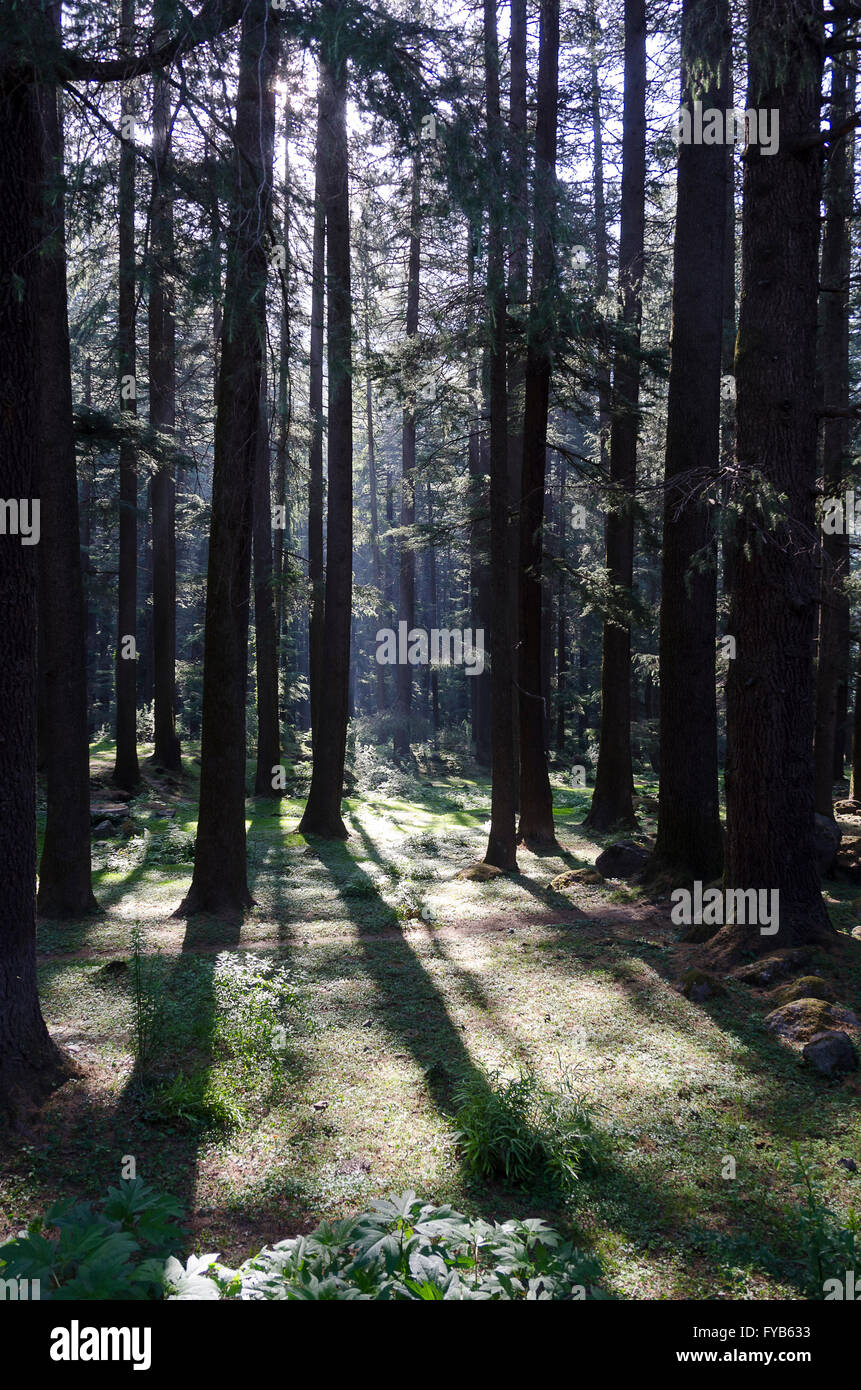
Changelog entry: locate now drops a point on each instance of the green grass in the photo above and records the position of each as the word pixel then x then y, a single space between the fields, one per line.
pixel 387 1013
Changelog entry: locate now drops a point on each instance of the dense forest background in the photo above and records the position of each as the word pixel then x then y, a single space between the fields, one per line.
pixel 427 443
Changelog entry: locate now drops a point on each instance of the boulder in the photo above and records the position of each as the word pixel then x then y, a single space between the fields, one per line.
pixel 767 971
pixel 826 843
pixel 804 1019
pixel 562 882
pixel 624 859
pixel 831 1052
pixel 805 987
pixel 479 873
pixel 847 865
pixel 106 830
pixel 698 985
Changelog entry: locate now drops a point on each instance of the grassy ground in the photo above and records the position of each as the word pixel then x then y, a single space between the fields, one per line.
pixel 385 979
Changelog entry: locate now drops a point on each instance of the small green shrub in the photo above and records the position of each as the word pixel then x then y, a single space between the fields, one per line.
pixel 117 1252
pixel 194 1102
pixel 401 1249
pixel 830 1248
pixel 517 1129
pixel 147 1005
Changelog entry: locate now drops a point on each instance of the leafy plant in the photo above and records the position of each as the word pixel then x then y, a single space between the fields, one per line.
pixel 147 1007
pixel 830 1248
pixel 517 1129
pixel 401 1249
pixel 194 1102
pixel 117 1252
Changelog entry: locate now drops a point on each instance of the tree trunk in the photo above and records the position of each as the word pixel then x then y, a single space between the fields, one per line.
pixel 266 648
pixel 322 814
pixel 770 689
pixel 372 452
pixel 479 580
pixel 536 828
pixel 518 312
pixel 220 882
pixel 65 886
pixel 689 840
pixel 29 1061
pixel 502 842
pixel 162 415
pixel 407 584
pixel 612 799
pixel 833 661
pixel 316 567
pixel 126 770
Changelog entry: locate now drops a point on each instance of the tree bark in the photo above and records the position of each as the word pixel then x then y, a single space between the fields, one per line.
pixel 502 841
pixel 126 769
pixel 65 884
pixel 612 799
pixel 322 815
pixel 219 883
pixel 266 649
pixel 770 689
pixel 162 415
pixel 29 1062
pixel 689 839
pixel 832 666
pixel 316 564
pixel 407 577
pixel 536 828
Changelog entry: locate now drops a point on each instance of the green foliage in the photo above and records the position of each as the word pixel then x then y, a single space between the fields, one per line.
pixel 829 1248
pixel 517 1129
pixel 401 1249
pixel 117 1252
pixel 147 1005
pixel 194 1102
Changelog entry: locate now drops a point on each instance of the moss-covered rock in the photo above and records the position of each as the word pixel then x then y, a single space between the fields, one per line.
pixel 699 985
pixel 802 1019
pixel 805 987
pixel 572 877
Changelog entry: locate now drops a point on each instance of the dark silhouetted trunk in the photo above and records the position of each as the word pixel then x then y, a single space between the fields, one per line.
pixel 407 578
pixel 316 569
pixel 126 770
pixel 518 310
pixel 536 799
pixel 220 876
pixel 372 452
pixel 689 840
pixel 770 689
pixel 322 815
pixel 266 648
pixel 612 799
pixel 162 414
pixel 65 887
pixel 502 842
pixel 832 667
pixel 29 1061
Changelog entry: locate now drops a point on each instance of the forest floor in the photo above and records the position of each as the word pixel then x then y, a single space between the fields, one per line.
pixel 389 979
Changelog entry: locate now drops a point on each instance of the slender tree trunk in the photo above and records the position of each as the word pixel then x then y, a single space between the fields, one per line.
pixel 162 414
pixel 562 626
pixel 833 661
pixel 372 452
pixel 536 828
pixel 266 648
pixel 612 800
pixel 502 842
pixel 126 770
pixel 65 887
pixel 322 814
pixel 518 313
pixel 220 876
pixel 316 566
pixel 689 840
pixel 770 689
pixel 479 585
pixel 285 407
pixel 407 584
pixel 29 1061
